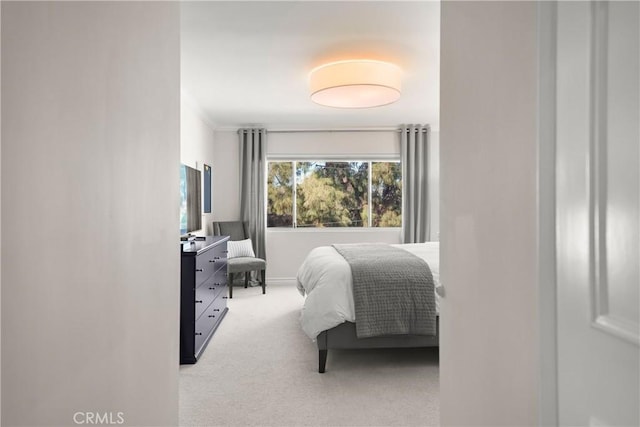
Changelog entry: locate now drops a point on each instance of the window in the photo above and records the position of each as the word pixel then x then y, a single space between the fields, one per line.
pixel 280 194
pixel 334 194
pixel 386 194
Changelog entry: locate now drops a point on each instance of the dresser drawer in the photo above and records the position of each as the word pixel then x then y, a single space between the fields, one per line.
pixel 210 262
pixel 217 308
pixel 204 296
pixel 210 289
pixel 205 324
pixel 219 280
pixel 219 257
pixel 204 269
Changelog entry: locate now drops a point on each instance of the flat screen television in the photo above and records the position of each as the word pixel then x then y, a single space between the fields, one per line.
pixel 190 200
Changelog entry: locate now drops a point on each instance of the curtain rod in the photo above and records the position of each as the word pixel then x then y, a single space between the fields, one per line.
pixel 333 130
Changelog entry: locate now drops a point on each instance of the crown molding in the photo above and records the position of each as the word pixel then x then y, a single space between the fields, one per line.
pixel 188 99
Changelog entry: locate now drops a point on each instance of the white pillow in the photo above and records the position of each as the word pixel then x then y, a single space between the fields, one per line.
pixel 240 248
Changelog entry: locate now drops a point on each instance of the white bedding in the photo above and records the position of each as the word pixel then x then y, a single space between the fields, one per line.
pixel 325 278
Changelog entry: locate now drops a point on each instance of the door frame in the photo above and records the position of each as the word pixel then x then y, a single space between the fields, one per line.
pixel 546 215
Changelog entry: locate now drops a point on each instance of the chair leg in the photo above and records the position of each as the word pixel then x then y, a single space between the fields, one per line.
pixel 246 279
pixel 230 284
pixel 264 281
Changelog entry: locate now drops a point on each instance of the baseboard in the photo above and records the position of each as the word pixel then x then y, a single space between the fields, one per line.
pixel 281 281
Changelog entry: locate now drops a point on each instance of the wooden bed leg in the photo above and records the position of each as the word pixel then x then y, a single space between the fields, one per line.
pixel 322 359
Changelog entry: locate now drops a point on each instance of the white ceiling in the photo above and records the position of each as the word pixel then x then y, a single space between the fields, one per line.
pixel 246 63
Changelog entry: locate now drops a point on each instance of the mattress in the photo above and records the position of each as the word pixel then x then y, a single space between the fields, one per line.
pixel 324 278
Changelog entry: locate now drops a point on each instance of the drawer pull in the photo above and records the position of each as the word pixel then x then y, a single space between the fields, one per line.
pixel 211 289
pixel 216 257
pixel 212 315
pixel 198 301
pixel 198 333
pixel 198 269
pixel 216 309
pixel 225 252
pixel 213 260
pixel 225 297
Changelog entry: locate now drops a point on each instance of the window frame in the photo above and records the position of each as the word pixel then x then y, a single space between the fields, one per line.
pixel 371 158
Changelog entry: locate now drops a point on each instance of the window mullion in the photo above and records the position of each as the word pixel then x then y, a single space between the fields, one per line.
pixel 370 194
pixel 295 195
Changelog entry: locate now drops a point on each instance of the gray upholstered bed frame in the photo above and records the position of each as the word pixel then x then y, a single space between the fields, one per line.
pixel 344 336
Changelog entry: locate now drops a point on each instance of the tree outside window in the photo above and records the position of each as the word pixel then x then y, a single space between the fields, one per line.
pixel 386 194
pixel 280 194
pixel 334 194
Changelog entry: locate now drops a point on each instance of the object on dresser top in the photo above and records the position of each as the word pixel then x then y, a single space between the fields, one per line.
pixel 237 232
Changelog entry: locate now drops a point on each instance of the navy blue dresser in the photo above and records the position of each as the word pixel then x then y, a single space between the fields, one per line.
pixel 203 295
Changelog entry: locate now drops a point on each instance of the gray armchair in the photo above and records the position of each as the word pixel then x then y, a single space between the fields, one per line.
pixel 237 230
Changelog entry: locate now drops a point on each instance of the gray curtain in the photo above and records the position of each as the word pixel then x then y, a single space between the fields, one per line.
pixel 414 146
pixel 253 165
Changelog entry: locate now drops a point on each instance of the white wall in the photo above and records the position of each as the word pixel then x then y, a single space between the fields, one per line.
pixel 197 148
pixel 489 373
pixel 434 185
pixel 90 307
pixel 0 225
pixel 334 143
pixel 286 249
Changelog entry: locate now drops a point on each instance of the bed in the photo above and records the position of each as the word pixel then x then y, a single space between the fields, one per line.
pixel 328 314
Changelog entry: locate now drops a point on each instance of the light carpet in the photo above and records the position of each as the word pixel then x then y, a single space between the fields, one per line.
pixel 260 369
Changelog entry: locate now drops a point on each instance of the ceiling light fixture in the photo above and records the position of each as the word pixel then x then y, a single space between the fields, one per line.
pixel 356 83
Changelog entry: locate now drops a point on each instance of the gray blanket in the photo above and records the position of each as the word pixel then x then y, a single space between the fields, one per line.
pixel 393 290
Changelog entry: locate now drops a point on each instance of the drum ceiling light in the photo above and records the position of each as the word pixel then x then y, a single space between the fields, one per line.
pixel 356 83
